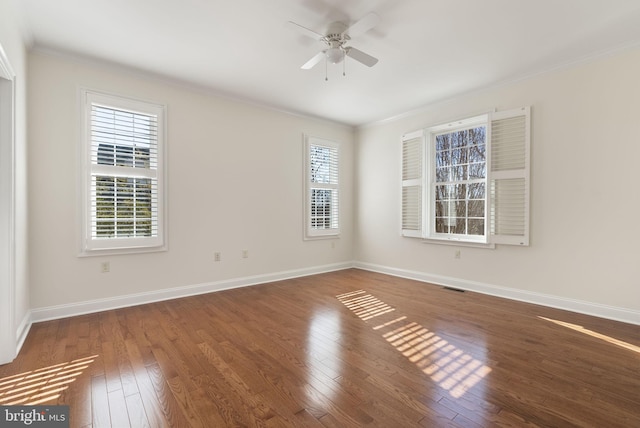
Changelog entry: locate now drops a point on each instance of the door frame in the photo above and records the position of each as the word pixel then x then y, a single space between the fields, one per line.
pixel 8 334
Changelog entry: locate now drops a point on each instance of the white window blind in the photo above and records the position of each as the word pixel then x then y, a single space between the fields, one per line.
pixel 124 198
pixel 509 177
pixel 322 206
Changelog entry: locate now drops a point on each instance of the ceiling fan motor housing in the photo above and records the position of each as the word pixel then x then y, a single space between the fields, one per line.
pixel 335 40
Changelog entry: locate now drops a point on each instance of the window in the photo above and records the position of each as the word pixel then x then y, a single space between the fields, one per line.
pixel 471 178
pixel 460 181
pixel 122 152
pixel 321 177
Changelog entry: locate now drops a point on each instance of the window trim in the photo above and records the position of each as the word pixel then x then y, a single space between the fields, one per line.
pixel 93 247
pixel 309 232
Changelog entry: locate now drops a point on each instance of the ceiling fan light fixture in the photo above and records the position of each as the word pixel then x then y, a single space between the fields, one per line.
pixel 335 55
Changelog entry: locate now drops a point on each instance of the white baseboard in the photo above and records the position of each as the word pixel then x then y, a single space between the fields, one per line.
pixel 81 308
pixel 23 331
pixel 588 308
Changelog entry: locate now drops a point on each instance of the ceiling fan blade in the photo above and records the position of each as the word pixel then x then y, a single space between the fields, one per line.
pixel 362 57
pixel 365 24
pixel 313 61
pixel 305 31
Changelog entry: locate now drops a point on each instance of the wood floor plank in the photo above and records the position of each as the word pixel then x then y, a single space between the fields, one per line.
pixel 80 412
pixel 347 348
pixel 306 419
pixel 111 372
pixel 136 412
pixel 227 408
pixel 185 401
pixel 167 402
pixel 153 410
pixel 100 402
pixel 423 401
pixel 118 409
pixel 236 383
pixel 213 415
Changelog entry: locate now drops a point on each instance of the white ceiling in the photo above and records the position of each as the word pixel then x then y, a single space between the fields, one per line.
pixel 429 50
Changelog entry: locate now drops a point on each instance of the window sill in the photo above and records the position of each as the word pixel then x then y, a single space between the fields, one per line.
pixel 121 251
pixel 320 237
pixel 458 243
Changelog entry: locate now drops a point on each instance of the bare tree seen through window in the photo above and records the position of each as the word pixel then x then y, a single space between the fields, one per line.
pixel 460 188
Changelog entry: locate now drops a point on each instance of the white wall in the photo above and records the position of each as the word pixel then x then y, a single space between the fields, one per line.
pixel 585 206
pixel 235 182
pixel 11 39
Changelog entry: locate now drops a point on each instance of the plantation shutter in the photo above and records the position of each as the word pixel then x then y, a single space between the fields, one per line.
pixel 412 184
pixel 124 178
pixel 509 177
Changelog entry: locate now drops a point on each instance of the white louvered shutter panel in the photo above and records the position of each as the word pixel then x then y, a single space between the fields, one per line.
pixel 509 177
pixel 412 184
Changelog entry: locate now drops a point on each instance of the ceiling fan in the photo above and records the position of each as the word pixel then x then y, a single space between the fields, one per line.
pixel 336 38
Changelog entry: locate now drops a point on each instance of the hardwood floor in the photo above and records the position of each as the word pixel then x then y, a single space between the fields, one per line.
pixel 349 348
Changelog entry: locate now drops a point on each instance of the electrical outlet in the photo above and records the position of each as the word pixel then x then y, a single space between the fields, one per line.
pixel 457 254
pixel 245 254
pixel 105 267
pixel 217 256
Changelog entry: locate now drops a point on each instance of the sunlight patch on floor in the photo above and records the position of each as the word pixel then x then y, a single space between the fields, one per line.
pixel 42 385
pixel 447 365
pixel 364 305
pixel 595 334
